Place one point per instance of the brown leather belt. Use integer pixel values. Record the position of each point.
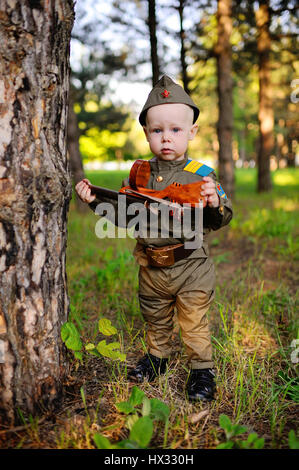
(167, 255)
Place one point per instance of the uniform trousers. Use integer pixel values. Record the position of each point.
(189, 286)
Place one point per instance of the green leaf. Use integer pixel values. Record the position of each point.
(107, 349)
(89, 347)
(106, 327)
(159, 410)
(122, 356)
(94, 352)
(293, 440)
(136, 396)
(127, 444)
(259, 443)
(110, 350)
(103, 349)
(125, 407)
(252, 437)
(243, 445)
(146, 407)
(102, 442)
(237, 429)
(131, 420)
(117, 355)
(252, 442)
(225, 422)
(71, 337)
(78, 355)
(142, 431)
(226, 445)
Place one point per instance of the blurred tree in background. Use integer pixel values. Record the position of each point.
(248, 115)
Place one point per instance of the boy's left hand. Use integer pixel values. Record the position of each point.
(209, 191)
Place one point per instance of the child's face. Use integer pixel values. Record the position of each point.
(168, 129)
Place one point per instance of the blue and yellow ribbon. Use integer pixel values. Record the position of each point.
(199, 168)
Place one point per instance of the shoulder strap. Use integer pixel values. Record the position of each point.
(196, 167)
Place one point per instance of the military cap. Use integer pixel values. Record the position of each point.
(167, 91)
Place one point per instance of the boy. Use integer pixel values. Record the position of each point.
(169, 122)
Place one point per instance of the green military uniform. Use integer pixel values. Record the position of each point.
(188, 284)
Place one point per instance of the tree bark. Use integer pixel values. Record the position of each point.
(35, 190)
(291, 156)
(225, 98)
(265, 114)
(152, 24)
(76, 165)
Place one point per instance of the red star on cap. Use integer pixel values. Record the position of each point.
(165, 94)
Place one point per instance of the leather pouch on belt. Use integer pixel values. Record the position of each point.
(139, 255)
(161, 257)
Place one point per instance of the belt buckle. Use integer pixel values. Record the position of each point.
(160, 258)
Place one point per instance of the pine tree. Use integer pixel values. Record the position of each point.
(223, 54)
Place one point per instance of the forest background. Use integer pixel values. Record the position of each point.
(70, 323)
(238, 60)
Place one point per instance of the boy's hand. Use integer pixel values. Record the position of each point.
(209, 190)
(83, 190)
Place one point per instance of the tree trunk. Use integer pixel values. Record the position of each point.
(225, 98)
(35, 190)
(265, 114)
(185, 77)
(291, 156)
(76, 165)
(152, 24)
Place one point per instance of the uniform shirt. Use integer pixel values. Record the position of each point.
(173, 171)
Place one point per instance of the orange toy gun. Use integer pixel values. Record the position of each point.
(173, 196)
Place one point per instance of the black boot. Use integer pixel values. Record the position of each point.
(201, 385)
(148, 367)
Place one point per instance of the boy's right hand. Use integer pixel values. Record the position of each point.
(83, 190)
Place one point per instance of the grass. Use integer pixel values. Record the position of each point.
(253, 323)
